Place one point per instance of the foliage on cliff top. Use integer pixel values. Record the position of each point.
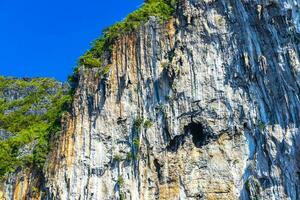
(162, 9)
(30, 110)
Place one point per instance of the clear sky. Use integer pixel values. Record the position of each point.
(44, 38)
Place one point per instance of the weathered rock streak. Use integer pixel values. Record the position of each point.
(205, 106)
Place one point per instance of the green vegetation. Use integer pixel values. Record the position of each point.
(147, 124)
(93, 58)
(34, 189)
(134, 153)
(162, 9)
(140, 121)
(120, 181)
(88, 60)
(136, 142)
(31, 118)
(117, 158)
(261, 126)
(122, 196)
(129, 156)
(253, 187)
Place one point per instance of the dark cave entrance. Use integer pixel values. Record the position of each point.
(199, 135)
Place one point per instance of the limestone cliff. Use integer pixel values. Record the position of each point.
(205, 106)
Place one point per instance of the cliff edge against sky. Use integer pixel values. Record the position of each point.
(198, 102)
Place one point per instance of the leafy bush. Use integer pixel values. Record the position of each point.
(136, 142)
(117, 158)
(139, 121)
(120, 181)
(148, 123)
(88, 60)
(261, 126)
(122, 196)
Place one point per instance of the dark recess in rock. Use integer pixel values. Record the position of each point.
(158, 169)
(200, 137)
(176, 142)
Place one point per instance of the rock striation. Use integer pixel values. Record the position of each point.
(205, 106)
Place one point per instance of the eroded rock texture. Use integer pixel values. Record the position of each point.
(25, 184)
(203, 107)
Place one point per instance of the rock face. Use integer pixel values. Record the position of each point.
(26, 184)
(205, 106)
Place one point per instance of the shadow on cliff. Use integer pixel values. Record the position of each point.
(268, 153)
(263, 68)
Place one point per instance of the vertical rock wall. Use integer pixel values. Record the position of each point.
(23, 185)
(203, 107)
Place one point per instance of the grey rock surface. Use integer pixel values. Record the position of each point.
(203, 107)
(220, 85)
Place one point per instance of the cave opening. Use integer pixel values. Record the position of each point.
(199, 135)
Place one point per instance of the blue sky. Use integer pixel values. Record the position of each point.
(44, 38)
